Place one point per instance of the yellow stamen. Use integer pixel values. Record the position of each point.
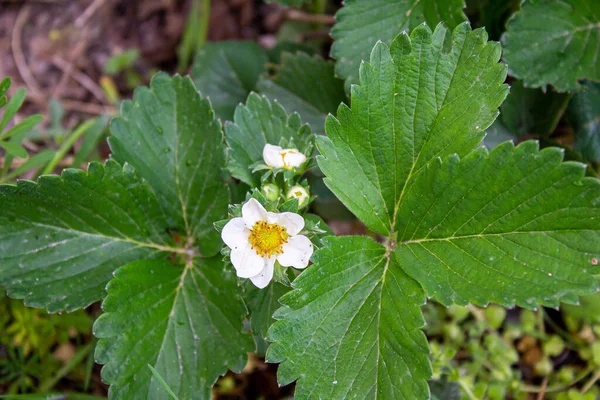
(268, 239)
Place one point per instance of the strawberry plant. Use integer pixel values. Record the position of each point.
(198, 233)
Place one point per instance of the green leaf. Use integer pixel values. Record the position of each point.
(34, 161)
(262, 304)
(351, 327)
(226, 72)
(531, 110)
(415, 103)
(12, 107)
(554, 42)
(516, 226)
(4, 86)
(289, 3)
(62, 238)
(23, 126)
(185, 321)
(14, 149)
(584, 115)
(362, 23)
(257, 123)
(305, 85)
(170, 135)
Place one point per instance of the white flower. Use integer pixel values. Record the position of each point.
(261, 237)
(300, 193)
(277, 157)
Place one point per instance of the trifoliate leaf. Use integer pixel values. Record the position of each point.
(62, 238)
(262, 304)
(257, 123)
(516, 226)
(351, 327)
(226, 72)
(362, 23)
(170, 135)
(532, 111)
(554, 42)
(584, 115)
(185, 321)
(415, 103)
(306, 85)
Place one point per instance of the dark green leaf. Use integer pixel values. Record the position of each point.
(531, 110)
(362, 23)
(4, 85)
(185, 321)
(351, 327)
(554, 42)
(306, 85)
(170, 135)
(516, 226)
(415, 103)
(257, 123)
(584, 115)
(262, 304)
(61, 239)
(226, 72)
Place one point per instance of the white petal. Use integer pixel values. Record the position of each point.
(235, 234)
(296, 252)
(252, 212)
(272, 156)
(293, 158)
(292, 222)
(262, 280)
(247, 263)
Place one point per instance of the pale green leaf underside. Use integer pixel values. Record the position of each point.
(351, 327)
(415, 103)
(584, 115)
(62, 238)
(184, 321)
(516, 226)
(554, 42)
(172, 138)
(307, 85)
(226, 72)
(362, 23)
(257, 123)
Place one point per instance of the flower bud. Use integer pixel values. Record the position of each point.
(270, 191)
(277, 157)
(300, 193)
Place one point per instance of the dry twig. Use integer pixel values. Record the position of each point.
(18, 55)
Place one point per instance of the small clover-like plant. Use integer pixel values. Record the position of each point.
(198, 235)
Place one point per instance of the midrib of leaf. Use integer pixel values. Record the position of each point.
(113, 238)
(177, 183)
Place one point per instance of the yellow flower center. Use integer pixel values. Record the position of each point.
(268, 239)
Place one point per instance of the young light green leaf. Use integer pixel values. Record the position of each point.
(257, 123)
(262, 304)
(170, 135)
(415, 103)
(306, 85)
(362, 23)
(532, 111)
(12, 107)
(351, 328)
(289, 3)
(14, 149)
(226, 72)
(23, 126)
(516, 226)
(554, 42)
(185, 321)
(584, 115)
(62, 238)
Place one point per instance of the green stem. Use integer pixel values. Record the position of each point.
(591, 382)
(205, 18)
(466, 389)
(81, 129)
